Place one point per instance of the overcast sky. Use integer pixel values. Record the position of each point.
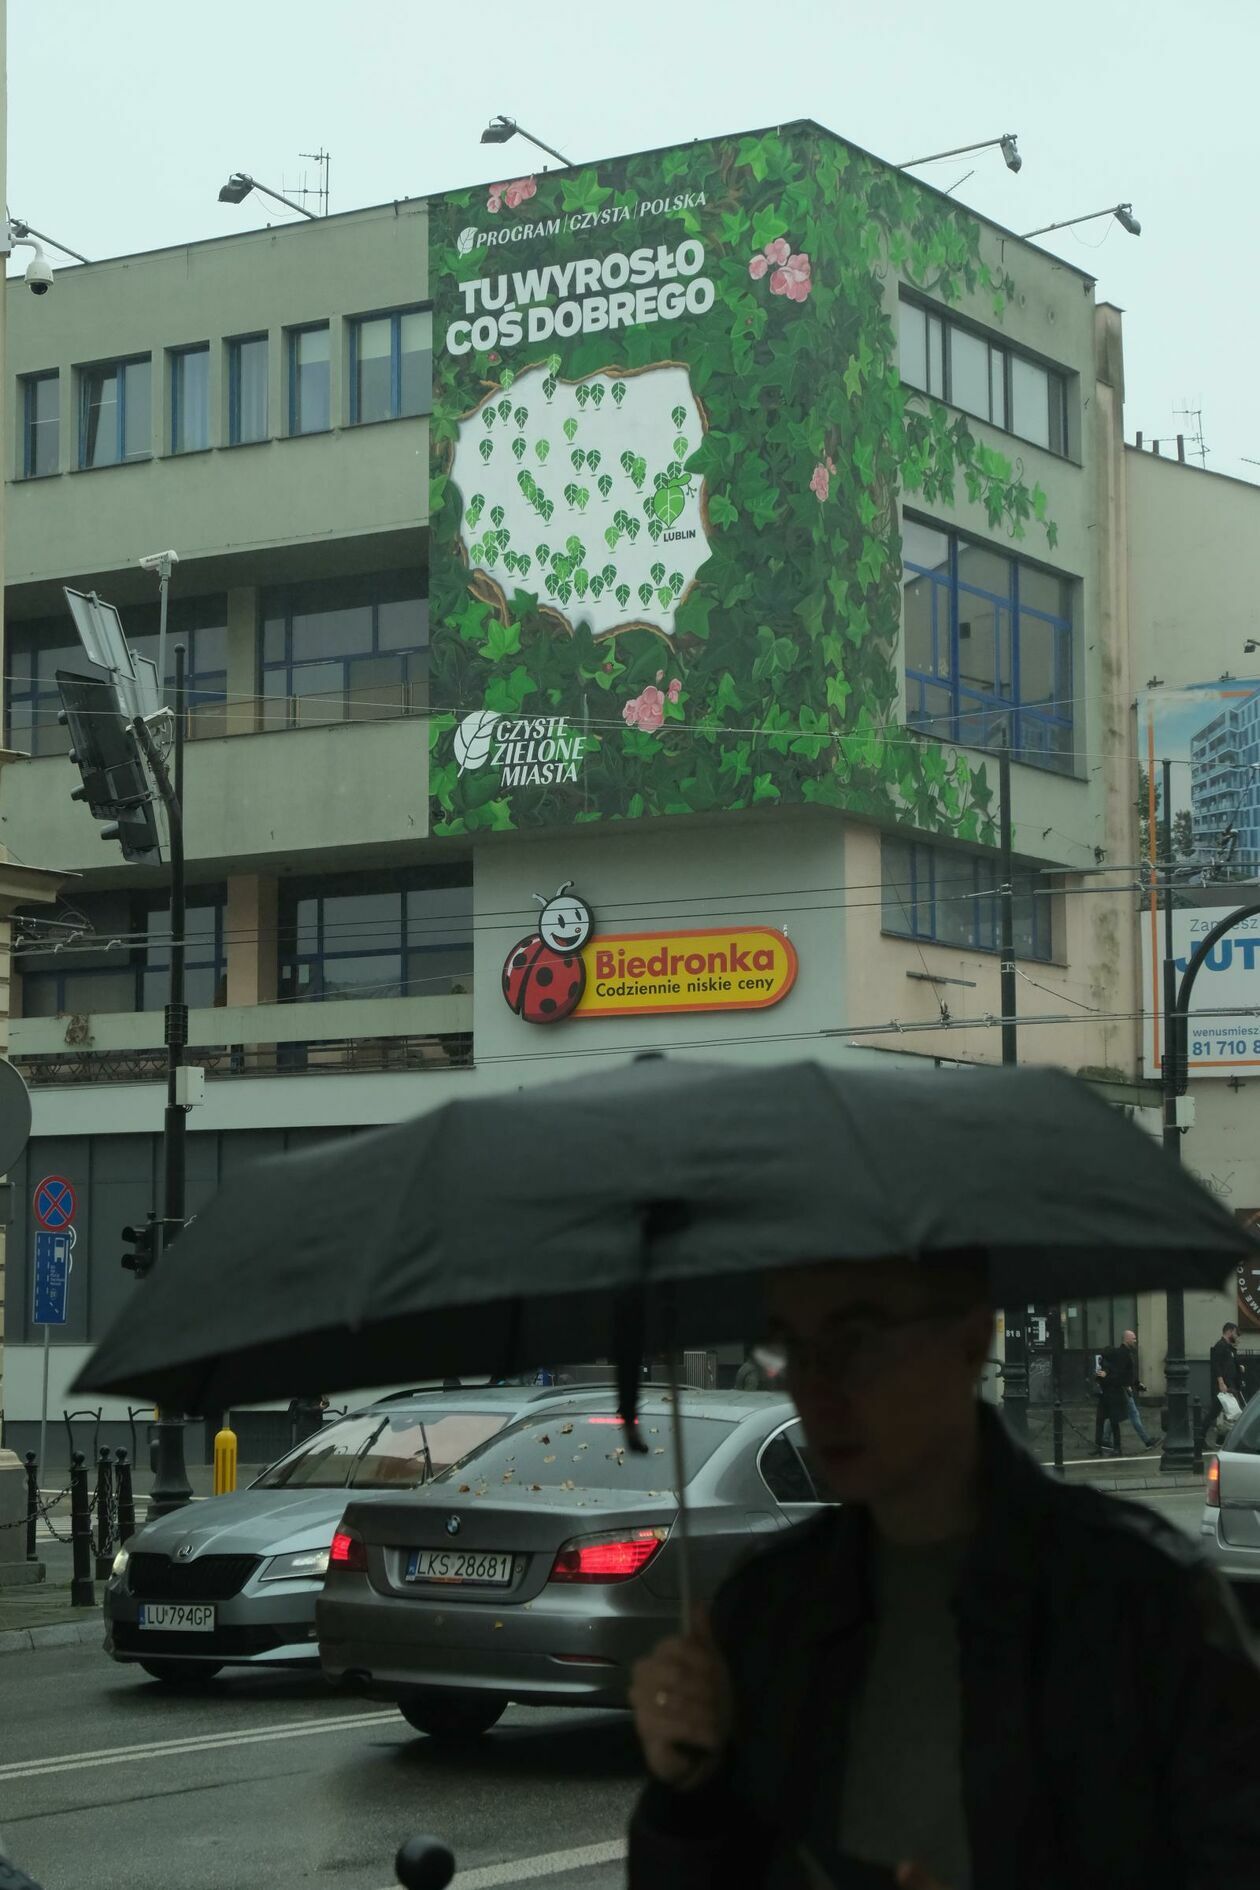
(125, 117)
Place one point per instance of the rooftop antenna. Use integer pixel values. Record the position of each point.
(1197, 444)
(319, 191)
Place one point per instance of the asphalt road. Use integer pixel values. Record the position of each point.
(110, 1782)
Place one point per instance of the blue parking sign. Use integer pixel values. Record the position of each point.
(53, 1261)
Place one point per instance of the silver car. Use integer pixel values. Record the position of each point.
(233, 1581)
(541, 1568)
(1230, 1527)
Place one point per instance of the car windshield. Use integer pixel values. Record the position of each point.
(587, 1450)
(1245, 1435)
(377, 1450)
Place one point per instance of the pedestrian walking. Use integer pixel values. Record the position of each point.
(899, 1680)
(1223, 1383)
(1132, 1386)
(1117, 1381)
(306, 1416)
(750, 1376)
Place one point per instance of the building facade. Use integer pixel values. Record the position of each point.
(879, 543)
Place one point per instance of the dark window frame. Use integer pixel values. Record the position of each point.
(134, 961)
(177, 357)
(286, 602)
(292, 956)
(394, 316)
(29, 384)
(86, 371)
(1057, 377)
(234, 346)
(920, 902)
(292, 337)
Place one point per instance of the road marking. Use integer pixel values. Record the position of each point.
(549, 1864)
(209, 1742)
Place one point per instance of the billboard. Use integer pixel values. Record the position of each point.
(667, 443)
(1211, 736)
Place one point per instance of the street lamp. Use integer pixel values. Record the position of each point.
(22, 233)
(1122, 212)
(240, 183)
(500, 129)
(1006, 144)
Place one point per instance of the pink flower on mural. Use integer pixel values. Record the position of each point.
(773, 256)
(675, 689)
(494, 201)
(645, 711)
(518, 191)
(793, 279)
(820, 482)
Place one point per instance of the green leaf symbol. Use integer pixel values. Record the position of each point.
(570, 429)
(597, 587)
(676, 580)
(506, 378)
(487, 418)
(638, 471)
(486, 448)
(581, 581)
(547, 508)
(597, 394)
(518, 448)
(673, 472)
(542, 553)
(496, 515)
(681, 446)
(619, 394)
(632, 529)
(622, 592)
(612, 538)
(527, 483)
(679, 417)
(593, 458)
(549, 386)
(583, 498)
(553, 363)
(509, 559)
(645, 593)
(521, 416)
(582, 395)
(489, 554)
(505, 410)
(669, 504)
(657, 573)
(476, 506)
(564, 591)
(542, 448)
(578, 458)
(570, 493)
(660, 479)
(665, 597)
(551, 583)
(574, 546)
(609, 573)
(523, 562)
(655, 528)
(605, 484)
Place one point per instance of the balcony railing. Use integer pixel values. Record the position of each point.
(352, 1035)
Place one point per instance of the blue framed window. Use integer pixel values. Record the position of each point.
(988, 641)
(948, 896)
(120, 960)
(983, 375)
(247, 389)
(349, 650)
(310, 395)
(41, 424)
(190, 399)
(391, 365)
(377, 935)
(115, 412)
(38, 648)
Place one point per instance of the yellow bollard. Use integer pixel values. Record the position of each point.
(225, 1462)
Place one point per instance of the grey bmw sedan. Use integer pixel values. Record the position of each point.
(233, 1581)
(542, 1567)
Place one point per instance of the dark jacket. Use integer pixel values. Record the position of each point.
(1120, 1365)
(1223, 1363)
(1111, 1708)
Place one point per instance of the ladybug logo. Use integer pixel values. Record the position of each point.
(543, 975)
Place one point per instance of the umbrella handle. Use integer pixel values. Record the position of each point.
(680, 1492)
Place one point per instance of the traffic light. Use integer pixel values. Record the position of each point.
(143, 1244)
(113, 780)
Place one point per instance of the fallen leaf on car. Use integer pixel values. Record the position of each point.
(565, 1429)
(549, 1459)
(544, 1439)
(498, 1624)
(659, 1450)
(568, 1484)
(464, 1488)
(535, 1486)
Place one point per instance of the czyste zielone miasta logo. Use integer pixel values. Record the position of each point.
(544, 975)
(525, 750)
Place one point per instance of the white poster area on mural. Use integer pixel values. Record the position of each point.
(1224, 1034)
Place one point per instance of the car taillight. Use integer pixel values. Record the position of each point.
(349, 1552)
(1214, 1483)
(614, 1557)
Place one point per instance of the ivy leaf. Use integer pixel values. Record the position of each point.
(721, 511)
(504, 639)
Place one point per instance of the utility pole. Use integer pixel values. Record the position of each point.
(1178, 1449)
(1014, 1318)
(171, 1488)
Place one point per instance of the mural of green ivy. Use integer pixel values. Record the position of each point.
(778, 681)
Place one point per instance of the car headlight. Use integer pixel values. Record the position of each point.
(119, 1569)
(302, 1565)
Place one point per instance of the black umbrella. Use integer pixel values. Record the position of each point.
(498, 1232)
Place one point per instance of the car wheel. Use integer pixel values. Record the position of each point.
(452, 1715)
(181, 1673)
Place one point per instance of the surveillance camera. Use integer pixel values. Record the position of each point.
(156, 559)
(39, 274)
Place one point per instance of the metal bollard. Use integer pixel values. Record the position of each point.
(225, 1462)
(1057, 1422)
(82, 1587)
(32, 1503)
(104, 1515)
(1196, 1433)
(126, 1500)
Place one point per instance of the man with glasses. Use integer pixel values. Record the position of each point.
(891, 1692)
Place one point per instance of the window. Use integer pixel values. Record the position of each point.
(782, 1469)
(391, 365)
(118, 960)
(114, 413)
(528, 1451)
(948, 896)
(37, 649)
(988, 647)
(983, 376)
(190, 399)
(348, 651)
(408, 934)
(310, 406)
(41, 425)
(247, 389)
(396, 1450)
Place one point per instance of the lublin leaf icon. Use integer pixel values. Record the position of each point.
(570, 429)
(645, 593)
(597, 393)
(542, 448)
(612, 537)
(681, 446)
(605, 484)
(619, 394)
(577, 458)
(658, 570)
(665, 597)
(669, 504)
(679, 417)
(593, 458)
(549, 386)
(505, 410)
(496, 515)
(622, 592)
(521, 416)
(582, 395)
(518, 448)
(486, 448)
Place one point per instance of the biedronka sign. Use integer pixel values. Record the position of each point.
(563, 970)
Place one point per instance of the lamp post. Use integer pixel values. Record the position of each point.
(22, 231)
(500, 129)
(1122, 212)
(240, 183)
(1014, 1318)
(1005, 143)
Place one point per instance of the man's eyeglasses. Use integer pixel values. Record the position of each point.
(855, 1349)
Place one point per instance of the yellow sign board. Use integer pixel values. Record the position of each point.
(722, 968)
